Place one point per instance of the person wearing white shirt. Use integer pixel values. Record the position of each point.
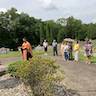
(45, 45)
(66, 52)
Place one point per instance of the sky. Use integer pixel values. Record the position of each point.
(54, 9)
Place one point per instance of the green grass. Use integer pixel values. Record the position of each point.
(18, 54)
(83, 58)
(94, 59)
(38, 52)
(10, 54)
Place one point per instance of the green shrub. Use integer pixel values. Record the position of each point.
(12, 68)
(39, 73)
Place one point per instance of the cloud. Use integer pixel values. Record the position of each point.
(46, 2)
(3, 9)
(48, 5)
(51, 7)
(54, 9)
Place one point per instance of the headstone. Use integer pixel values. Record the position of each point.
(39, 47)
(4, 50)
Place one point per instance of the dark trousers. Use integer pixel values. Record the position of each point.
(45, 49)
(55, 52)
(66, 55)
(29, 55)
(70, 56)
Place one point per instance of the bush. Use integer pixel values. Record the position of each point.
(39, 73)
(12, 68)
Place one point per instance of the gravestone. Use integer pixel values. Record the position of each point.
(4, 50)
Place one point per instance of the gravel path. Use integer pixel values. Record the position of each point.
(80, 77)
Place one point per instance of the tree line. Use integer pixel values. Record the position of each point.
(14, 26)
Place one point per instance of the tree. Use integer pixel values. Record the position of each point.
(61, 34)
(73, 27)
(15, 26)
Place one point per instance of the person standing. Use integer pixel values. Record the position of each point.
(66, 52)
(88, 51)
(76, 51)
(62, 49)
(70, 51)
(26, 50)
(54, 44)
(45, 45)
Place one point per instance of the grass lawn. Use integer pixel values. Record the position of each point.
(18, 54)
(10, 54)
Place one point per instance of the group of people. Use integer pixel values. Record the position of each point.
(26, 49)
(69, 50)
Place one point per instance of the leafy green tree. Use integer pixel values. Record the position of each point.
(15, 26)
(73, 27)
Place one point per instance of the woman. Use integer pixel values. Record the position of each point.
(76, 51)
(88, 51)
(26, 50)
(62, 49)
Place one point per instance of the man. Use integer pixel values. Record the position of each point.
(54, 44)
(45, 45)
(26, 50)
(70, 51)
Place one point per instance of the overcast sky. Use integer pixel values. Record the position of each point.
(54, 9)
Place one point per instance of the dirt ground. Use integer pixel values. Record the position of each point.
(79, 76)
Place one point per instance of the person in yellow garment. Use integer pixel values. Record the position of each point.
(76, 51)
(26, 50)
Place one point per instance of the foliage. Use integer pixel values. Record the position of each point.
(15, 26)
(39, 73)
(12, 68)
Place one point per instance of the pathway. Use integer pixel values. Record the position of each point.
(80, 77)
